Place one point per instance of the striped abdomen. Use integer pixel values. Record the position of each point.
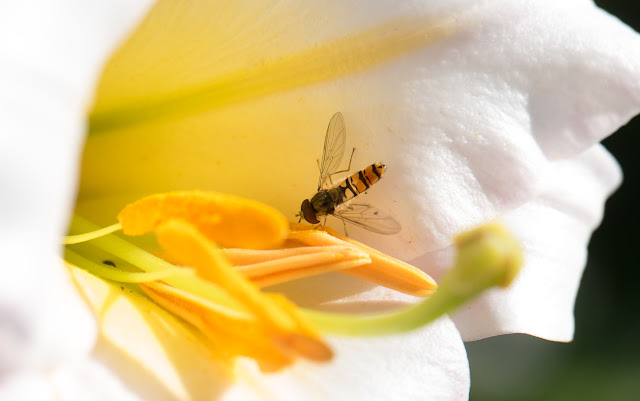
(361, 181)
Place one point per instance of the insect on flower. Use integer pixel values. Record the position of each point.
(336, 199)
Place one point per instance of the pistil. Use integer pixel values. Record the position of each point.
(487, 257)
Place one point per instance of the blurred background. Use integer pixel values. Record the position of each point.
(603, 361)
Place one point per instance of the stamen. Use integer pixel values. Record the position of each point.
(121, 276)
(76, 239)
(238, 337)
(180, 297)
(149, 263)
(306, 271)
(237, 329)
(288, 264)
(187, 245)
(309, 345)
(245, 257)
(383, 269)
(228, 220)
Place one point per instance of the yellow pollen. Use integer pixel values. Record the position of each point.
(228, 220)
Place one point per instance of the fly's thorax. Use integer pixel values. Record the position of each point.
(362, 180)
(325, 201)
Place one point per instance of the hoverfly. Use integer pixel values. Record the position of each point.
(335, 199)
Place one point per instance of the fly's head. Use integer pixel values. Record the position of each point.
(306, 211)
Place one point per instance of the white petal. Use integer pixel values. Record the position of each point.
(89, 380)
(554, 230)
(494, 105)
(80, 381)
(50, 55)
(427, 364)
(466, 102)
(29, 386)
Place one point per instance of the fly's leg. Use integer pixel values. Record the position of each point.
(344, 223)
(342, 171)
(321, 225)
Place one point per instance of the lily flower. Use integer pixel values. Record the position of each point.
(482, 111)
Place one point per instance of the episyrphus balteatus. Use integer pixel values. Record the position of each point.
(336, 199)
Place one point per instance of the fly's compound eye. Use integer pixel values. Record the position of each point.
(308, 213)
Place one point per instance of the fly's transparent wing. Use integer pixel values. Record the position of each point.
(334, 143)
(369, 217)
